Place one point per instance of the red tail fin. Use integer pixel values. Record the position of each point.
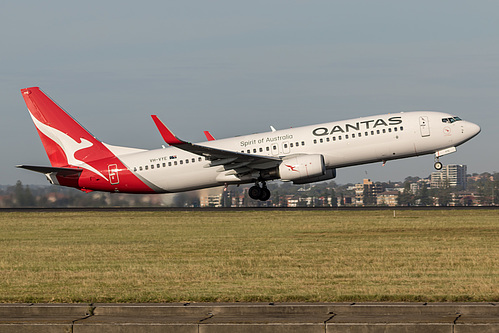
(66, 142)
(69, 147)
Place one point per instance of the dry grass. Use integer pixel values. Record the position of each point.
(250, 256)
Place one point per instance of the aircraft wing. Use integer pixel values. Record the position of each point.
(229, 159)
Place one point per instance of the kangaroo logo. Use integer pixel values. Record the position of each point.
(67, 144)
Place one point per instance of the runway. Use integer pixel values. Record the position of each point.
(251, 317)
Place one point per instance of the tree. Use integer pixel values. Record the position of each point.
(406, 198)
(334, 199)
(444, 194)
(23, 196)
(424, 196)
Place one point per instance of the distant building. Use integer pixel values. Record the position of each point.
(213, 200)
(387, 198)
(366, 193)
(453, 175)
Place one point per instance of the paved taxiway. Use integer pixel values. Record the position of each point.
(251, 317)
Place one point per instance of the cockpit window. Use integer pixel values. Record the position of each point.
(451, 120)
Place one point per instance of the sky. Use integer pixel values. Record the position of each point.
(238, 67)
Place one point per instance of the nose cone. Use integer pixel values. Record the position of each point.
(472, 129)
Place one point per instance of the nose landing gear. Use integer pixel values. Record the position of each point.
(259, 193)
(438, 165)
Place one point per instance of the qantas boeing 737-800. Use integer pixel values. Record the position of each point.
(301, 155)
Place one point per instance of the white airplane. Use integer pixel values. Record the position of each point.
(301, 155)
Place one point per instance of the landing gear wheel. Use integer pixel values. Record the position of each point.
(259, 193)
(438, 165)
(265, 195)
(255, 192)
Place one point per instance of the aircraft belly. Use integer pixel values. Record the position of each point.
(368, 153)
(184, 179)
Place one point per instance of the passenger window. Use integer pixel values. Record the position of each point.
(193, 160)
(140, 168)
(315, 141)
(152, 166)
(261, 149)
(146, 167)
(169, 163)
(175, 163)
(353, 136)
(291, 145)
(186, 161)
(134, 168)
(181, 162)
(303, 143)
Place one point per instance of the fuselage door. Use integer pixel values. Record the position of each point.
(113, 174)
(275, 149)
(285, 147)
(424, 125)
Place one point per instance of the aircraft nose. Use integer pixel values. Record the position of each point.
(473, 129)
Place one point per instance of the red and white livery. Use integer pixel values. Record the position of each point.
(301, 154)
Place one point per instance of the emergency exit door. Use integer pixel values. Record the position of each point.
(113, 174)
(424, 125)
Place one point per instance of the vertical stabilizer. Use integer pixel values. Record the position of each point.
(78, 159)
(66, 142)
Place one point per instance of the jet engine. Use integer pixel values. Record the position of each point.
(304, 169)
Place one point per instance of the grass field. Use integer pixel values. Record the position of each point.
(310, 256)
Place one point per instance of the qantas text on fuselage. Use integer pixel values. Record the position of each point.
(301, 154)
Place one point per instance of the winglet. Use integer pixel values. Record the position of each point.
(167, 135)
(209, 136)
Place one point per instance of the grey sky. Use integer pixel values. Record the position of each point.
(235, 67)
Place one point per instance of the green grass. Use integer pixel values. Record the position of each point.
(309, 256)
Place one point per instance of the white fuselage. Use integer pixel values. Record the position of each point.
(343, 143)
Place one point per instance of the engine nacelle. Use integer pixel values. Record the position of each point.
(301, 167)
(330, 174)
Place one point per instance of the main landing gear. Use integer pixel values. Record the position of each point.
(259, 193)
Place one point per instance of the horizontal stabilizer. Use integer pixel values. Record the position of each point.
(64, 172)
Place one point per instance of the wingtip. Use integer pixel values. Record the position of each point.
(167, 135)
